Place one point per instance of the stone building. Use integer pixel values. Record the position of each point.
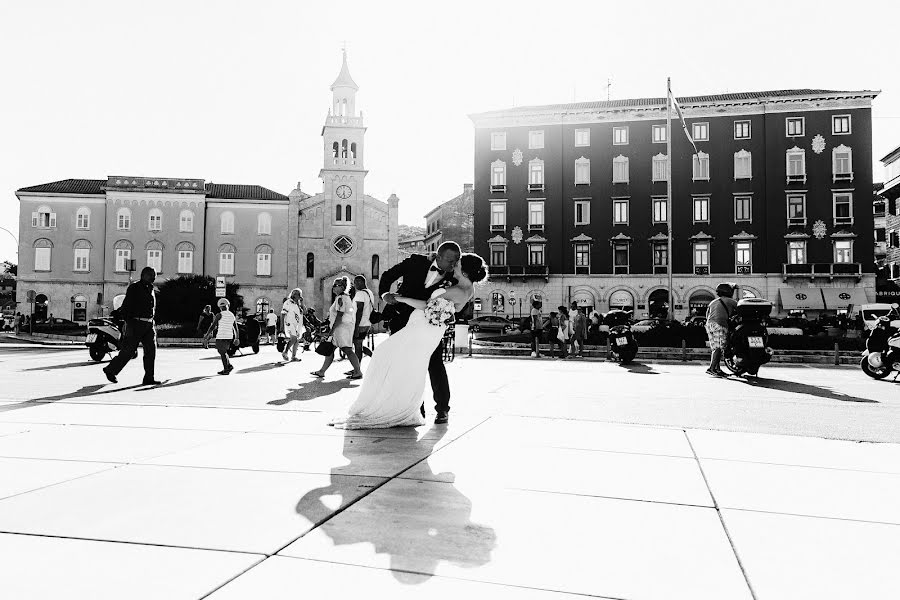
(888, 197)
(411, 245)
(453, 220)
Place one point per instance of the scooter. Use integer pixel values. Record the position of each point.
(248, 335)
(747, 347)
(623, 346)
(882, 353)
(105, 333)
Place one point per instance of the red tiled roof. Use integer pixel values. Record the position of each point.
(227, 191)
(68, 186)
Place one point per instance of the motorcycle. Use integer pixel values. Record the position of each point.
(623, 346)
(747, 347)
(105, 334)
(248, 335)
(882, 353)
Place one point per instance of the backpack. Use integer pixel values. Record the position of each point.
(375, 316)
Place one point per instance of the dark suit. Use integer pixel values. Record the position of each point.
(414, 271)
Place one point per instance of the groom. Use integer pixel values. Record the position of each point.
(421, 276)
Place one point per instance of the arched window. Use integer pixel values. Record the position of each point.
(376, 266)
(42, 249)
(344, 108)
(185, 257)
(348, 213)
(83, 218)
(335, 150)
(310, 265)
(82, 255)
(227, 222)
(186, 221)
(343, 148)
(264, 224)
(226, 259)
(43, 217)
(262, 307)
(123, 219)
(338, 212)
(154, 255)
(123, 250)
(155, 222)
(264, 260)
(353, 150)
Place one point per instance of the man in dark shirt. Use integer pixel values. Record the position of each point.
(137, 310)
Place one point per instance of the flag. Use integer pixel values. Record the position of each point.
(683, 122)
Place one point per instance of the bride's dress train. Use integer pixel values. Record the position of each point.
(391, 393)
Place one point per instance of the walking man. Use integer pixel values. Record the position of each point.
(137, 310)
(579, 330)
(365, 304)
(271, 326)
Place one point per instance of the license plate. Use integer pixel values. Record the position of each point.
(755, 342)
(91, 338)
(621, 341)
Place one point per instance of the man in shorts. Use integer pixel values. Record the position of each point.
(271, 325)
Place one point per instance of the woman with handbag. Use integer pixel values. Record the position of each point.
(225, 326)
(342, 316)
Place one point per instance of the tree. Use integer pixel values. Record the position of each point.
(9, 268)
(181, 299)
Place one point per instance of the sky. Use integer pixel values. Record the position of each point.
(237, 92)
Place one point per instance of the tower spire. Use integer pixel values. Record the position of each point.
(344, 79)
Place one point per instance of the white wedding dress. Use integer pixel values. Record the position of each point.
(391, 393)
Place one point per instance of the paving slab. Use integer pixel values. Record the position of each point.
(576, 544)
(588, 472)
(281, 578)
(11, 428)
(105, 444)
(19, 475)
(804, 558)
(794, 450)
(42, 568)
(244, 511)
(834, 493)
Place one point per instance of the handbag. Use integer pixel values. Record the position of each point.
(326, 348)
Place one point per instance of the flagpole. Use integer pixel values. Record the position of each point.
(669, 266)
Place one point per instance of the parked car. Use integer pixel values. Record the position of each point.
(58, 325)
(645, 325)
(492, 323)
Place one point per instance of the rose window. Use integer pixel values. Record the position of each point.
(342, 244)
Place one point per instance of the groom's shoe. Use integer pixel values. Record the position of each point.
(422, 410)
(442, 417)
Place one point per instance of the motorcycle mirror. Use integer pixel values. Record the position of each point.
(895, 306)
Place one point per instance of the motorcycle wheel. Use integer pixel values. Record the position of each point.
(873, 372)
(729, 364)
(97, 354)
(255, 348)
(626, 357)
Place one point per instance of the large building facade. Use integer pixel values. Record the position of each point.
(570, 202)
(454, 220)
(77, 237)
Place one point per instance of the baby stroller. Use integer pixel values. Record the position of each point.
(316, 330)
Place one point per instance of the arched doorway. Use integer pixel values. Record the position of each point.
(262, 307)
(621, 300)
(658, 304)
(79, 309)
(698, 302)
(585, 301)
(41, 306)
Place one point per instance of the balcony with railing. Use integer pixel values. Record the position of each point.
(828, 271)
(337, 120)
(523, 272)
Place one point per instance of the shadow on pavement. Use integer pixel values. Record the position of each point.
(64, 366)
(313, 390)
(85, 392)
(418, 531)
(639, 368)
(804, 388)
(260, 368)
(177, 382)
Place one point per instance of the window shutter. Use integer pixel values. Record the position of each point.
(34, 219)
(53, 219)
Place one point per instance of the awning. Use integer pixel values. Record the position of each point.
(842, 298)
(801, 298)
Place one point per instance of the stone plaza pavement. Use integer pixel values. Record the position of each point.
(553, 479)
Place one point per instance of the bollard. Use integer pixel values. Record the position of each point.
(837, 354)
(683, 351)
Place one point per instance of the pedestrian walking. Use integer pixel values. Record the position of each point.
(537, 328)
(342, 318)
(205, 320)
(565, 328)
(365, 304)
(717, 314)
(224, 327)
(271, 326)
(553, 336)
(579, 330)
(292, 315)
(137, 310)
(20, 322)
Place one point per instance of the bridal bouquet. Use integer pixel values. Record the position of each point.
(438, 311)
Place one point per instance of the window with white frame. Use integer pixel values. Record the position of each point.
(842, 163)
(123, 219)
(743, 257)
(840, 124)
(227, 222)
(797, 252)
(536, 174)
(700, 132)
(83, 218)
(795, 126)
(42, 257)
(796, 209)
(742, 130)
(743, 208)
(660, 257)
(226, 263)
(536, 255)
(701, 166)
(796, 164)
(843, 251)
(701, 258)
(701, 209)
(620, 136)
(264, 224)
(154, 260)
(620, 211)
(659, 133)
(620, 258)
(583, 137)
(498, 216)
(185, 261)
(186, 221)
(536, 139)
(82, 259)
(536, 214)
(660, 210)
(620, 169)
(660, 167)
(123, 255)
(498, 176)
(43, 217)
(843, 208)
(582, 256)
(582, 171)
(498, 140)
(743, 165)
(582, 212)
(264, 262)
(498, 255)
(155, 223)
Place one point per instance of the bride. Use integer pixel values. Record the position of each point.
(391, 393)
